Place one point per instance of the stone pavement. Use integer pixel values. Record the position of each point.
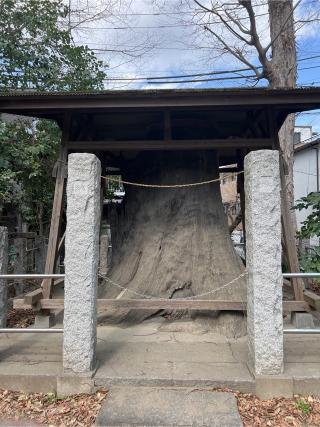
(132, 406)
(158, 353)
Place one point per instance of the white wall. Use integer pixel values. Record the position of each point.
(305, 177)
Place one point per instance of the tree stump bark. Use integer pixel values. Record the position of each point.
(172, 243)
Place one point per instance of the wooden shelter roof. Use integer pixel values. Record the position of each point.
(55, 104)
(172, 119)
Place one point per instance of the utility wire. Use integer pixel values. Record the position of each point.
(197, 74)
(186, 12)
(189, 24)
(182, 75)
(155, 79)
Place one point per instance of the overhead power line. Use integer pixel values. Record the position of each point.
(147, 27)
(183, 75)
(78, 24)
(250, 76)
(155, 79)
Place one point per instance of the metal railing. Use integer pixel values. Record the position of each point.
(32, 276)
(61, 276)
(31, 330)
(303, 275)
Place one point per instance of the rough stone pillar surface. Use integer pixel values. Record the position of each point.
(3, 270)
(263, 248)
(81, 262)
(104, 248)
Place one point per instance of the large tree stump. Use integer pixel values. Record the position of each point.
(172, 243)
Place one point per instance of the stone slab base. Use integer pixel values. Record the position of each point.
(44, 321)
(244, 386)
(68, 385)
(268, 387)
(29, 383)
(128, 406)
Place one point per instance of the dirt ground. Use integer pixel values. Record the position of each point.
(36, 409)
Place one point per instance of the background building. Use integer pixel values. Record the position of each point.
(306, 169)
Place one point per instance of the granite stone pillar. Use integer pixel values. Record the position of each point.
(3, 270)
(263, 258)
(81, 263)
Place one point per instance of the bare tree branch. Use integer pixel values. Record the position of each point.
(236, 53)
(215, 12)
(247, 4)
(237, 23)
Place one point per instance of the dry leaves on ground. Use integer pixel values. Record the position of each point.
(20, 318)
(81, 410)
(46, 409)
(279, 412)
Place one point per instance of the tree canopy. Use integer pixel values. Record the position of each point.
(37, 52)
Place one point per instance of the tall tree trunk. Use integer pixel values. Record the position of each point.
(173, 243)
(284, 75)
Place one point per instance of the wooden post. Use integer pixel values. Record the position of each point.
(288, 230)
(57, 209)
(289, 238)
(240, 190)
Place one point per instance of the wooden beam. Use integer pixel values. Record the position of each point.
(167, 126)
(240, 190)
(33, 297)
(289, 239)
(61, 243)
(57, 209)
(312, 299)
(170, 144)
(162, 304)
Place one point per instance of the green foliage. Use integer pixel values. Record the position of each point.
(37, 49)
(50, 398)
(310, 228)
(27, 152)
(303, 406)
(311, 261)
(37, 52)
(113, 184)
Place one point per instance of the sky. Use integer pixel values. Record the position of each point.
(150, 38)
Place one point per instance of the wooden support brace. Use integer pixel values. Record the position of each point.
(288, 230)
(33, 297)
(289, 239)
(161, 304)
(57, 210)
(312, 299)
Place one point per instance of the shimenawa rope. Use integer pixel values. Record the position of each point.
(193, 184)
(180, 299)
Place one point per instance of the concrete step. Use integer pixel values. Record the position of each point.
(166, 407)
